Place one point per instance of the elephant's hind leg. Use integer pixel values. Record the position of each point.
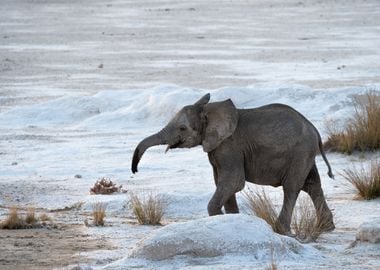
(292, 182)
(313, 188)
(285, 217)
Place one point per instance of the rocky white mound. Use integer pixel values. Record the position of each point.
(221, 235)
(369, 232)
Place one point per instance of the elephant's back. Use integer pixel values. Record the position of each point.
(278, 125)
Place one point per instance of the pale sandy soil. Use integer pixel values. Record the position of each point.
(47, 248)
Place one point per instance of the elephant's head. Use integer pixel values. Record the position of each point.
(203, 123)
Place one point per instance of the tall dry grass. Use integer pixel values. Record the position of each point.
(99, 213)
(305, 224)
(271, 266)
(362, 131)
(260, 205)
(29, 220)
(273, 263)
(148, 208)
(31, 216)
(365, 181)
(13, 220)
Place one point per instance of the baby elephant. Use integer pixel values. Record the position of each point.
(270, 145)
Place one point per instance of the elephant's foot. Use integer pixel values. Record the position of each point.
(289, 233)
(213, 211)
(231, 210)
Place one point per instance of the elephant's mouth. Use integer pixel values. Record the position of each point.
(175, 145)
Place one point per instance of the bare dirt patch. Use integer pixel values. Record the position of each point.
(47, 248)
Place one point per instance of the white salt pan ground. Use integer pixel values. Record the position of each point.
(95, 135)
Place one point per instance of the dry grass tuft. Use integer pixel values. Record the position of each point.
(261, 206)
(29, 220)
(366, 181)
(44, 217)
(304, 223)
(99, 213)
(148, 209)
(31, 216)
(13, 220)
(306, 226)
(271, 266)
(362, 132)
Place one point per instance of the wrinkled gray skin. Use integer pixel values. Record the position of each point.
(270, 145)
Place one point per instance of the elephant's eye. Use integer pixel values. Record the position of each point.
(182, 128)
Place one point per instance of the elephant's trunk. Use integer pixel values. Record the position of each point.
(155, 139)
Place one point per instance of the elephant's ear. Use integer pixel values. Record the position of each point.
(222, 118)
(203, 101)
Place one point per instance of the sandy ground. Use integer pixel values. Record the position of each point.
(47, 248)
(48, 48)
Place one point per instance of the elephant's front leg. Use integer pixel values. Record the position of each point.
(222, 197)
(227, 184)
(230, 206)
(217, 201)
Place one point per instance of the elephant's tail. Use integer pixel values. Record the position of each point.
(329, 173)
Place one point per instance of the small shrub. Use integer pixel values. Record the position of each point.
(366, 181)
(44, 217)
(13, 220)
(149, 209)
(362, 131)
(99, 213)
(306, 226)
(261, 206)
(31, 216)
(105, 186)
